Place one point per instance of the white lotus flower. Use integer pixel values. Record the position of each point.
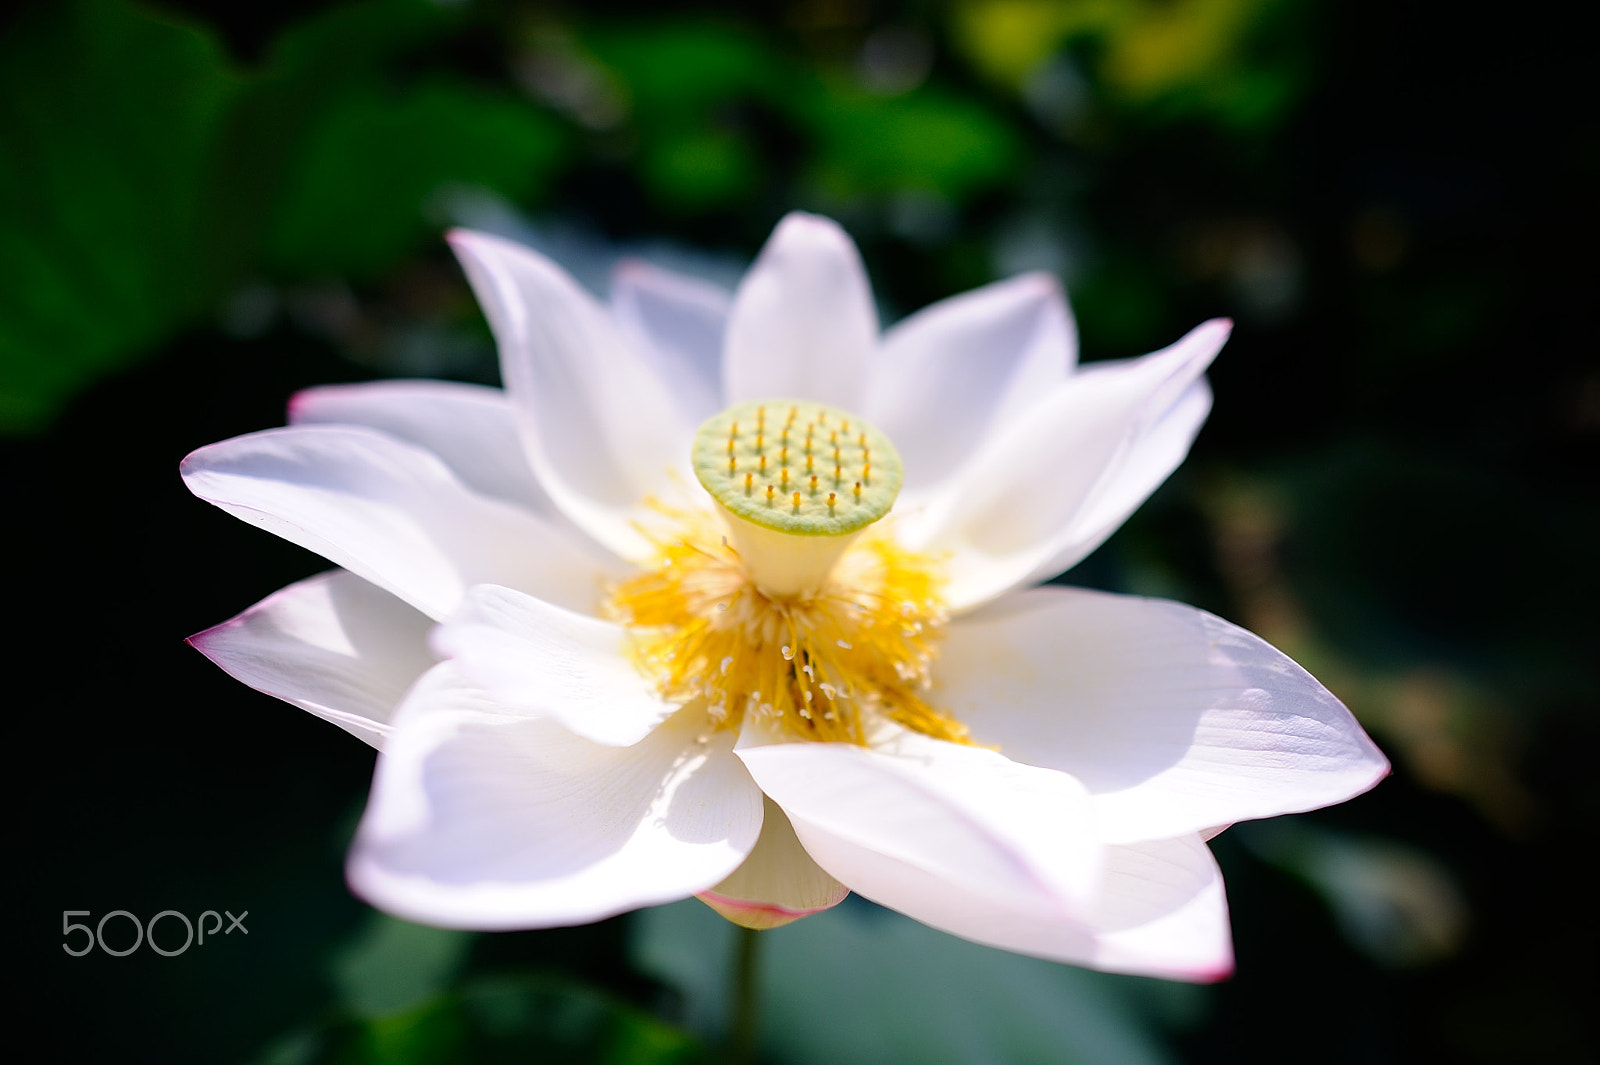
(587, 700)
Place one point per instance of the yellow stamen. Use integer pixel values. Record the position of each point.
(831, 667)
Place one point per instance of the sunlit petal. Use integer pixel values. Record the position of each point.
(1175, 720)
(598, 425)
(394, 514)
(333, 644)
(778, 883)
(676, 323)
(962, 369)
(480, 818)
(560, 665)
(1016, 505)
(892, 821)
(802, 325)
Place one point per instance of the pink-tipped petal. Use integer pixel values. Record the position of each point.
(1161, 912)
(333, 644)
(471, 427)
(1175, 720)
(778, 883)
(394, 514)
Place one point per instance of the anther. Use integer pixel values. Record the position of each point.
(733, 463)
(858, 491)
(769, 492)
(749, 482)
(830, 500)
(866, 472)
(763, 464)
(760, 443)
(783, 455)
(797, 501)
(813, 482)
(783, 477)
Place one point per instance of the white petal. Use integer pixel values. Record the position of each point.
(949, 374)
(802, 325)
(480, 818)
(1160, 911)
(564, 666)
(1175, 720)
(333, 644)
(677, 323)
(471, 427)
(394, 514)
(907, 817)
(778, 882)
(1132, 477)
(598, 425)
(1163, 912)
(1015, 507)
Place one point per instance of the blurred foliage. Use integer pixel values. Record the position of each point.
(205, 205)
(893, 990)
(108, 119)
(511, 1019)
(1240, 62)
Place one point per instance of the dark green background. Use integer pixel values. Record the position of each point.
(206, 206)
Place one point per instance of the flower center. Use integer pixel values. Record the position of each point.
(784, 610)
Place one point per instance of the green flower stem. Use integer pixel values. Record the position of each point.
(744, 1028)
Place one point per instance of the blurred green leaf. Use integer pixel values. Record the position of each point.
(685, 84)
(677, 71)
(358, 199)
(108, 115)
(925, 141)
(549, 1019)
(894, 991)
(393, 965)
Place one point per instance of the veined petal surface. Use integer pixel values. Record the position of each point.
(471, 427)
(910, 814)
(1014, 507)
(677, 323)
(333, 644)
(564, 666)
(950, 374)
(394, 514)
(803, 325)
(489, 819)
(1159, 911)
(600, 428)
(1173, 719)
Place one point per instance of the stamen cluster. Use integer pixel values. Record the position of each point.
(831, 666)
